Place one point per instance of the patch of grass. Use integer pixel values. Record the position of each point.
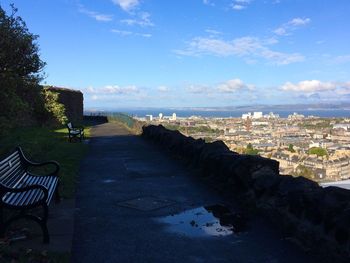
(42, 144)
(10, 255)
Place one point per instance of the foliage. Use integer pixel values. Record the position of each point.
(319, 125)
(291, 148)
(318, 151)
(301, 170)
(42, 144)
(20, 69)
(250, 150)
(53, 106)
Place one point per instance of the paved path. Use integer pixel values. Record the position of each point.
(121, 167)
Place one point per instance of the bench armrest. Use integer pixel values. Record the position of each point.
(54, 173)
(26, 189)
(30, 163)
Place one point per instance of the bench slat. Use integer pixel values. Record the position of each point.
(25, 195)
(4, 166)
(50, 182)
(12, 176)
(9, 157)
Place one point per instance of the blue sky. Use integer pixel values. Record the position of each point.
(163, 53)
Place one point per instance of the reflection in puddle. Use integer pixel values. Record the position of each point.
(214, 220)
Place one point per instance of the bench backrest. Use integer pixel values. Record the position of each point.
(70, 125)
(11, 169)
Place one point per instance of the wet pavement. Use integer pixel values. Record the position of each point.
(137, 204)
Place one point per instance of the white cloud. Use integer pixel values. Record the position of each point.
(249, 48)
(299, 21)
(233, 85)
(127, 5)
(213, 32)
(97, 16)
(198, 89)
(122, 32)
(341, 59)
(344, 88)
(113, 90)
(142, 20)
(163, 89)
(130, 33)
(318, 90)
(238, 7)
(240, 4)
(309, 86)
(208, 2)
(229, 86)
(291, 25)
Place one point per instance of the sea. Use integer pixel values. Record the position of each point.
(336, 113)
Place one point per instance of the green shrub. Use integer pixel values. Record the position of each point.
(55, 108)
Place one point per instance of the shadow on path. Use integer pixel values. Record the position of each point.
(129, 196)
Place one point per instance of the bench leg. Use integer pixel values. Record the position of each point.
(43, 225)
(40, 221)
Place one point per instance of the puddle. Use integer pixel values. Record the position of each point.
(108, 181)
(216, 220)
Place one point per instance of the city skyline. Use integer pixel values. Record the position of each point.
(200, 53)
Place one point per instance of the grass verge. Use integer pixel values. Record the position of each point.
(42, 144)
(29, 255)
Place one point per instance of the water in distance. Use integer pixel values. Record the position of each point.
(336, 113)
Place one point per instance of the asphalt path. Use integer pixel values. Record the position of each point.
(136, 203)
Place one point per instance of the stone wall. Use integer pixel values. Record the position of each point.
(319, 218)
(73, 102)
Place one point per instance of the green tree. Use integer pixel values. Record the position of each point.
(301, 170)
(318, 151)
(291, 148)
(250, 150)
(20, 69)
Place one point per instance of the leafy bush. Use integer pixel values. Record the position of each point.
(52, 106)
(318, 151)
(250, 150)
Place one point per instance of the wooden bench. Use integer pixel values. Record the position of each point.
(75, 132)
(21, 191)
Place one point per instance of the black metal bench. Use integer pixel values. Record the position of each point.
(22, 191)
(75, 132)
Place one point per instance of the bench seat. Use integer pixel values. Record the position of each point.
(21, 190)
(31, 196)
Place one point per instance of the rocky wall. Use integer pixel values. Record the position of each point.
(73, 101)
(319, 218)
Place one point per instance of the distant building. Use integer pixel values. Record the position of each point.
(246, 115)
(160, 116)
(257, 115)
(296, 116)
(149, 117)
(271, 115)
(345, 126)
(173, 117)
